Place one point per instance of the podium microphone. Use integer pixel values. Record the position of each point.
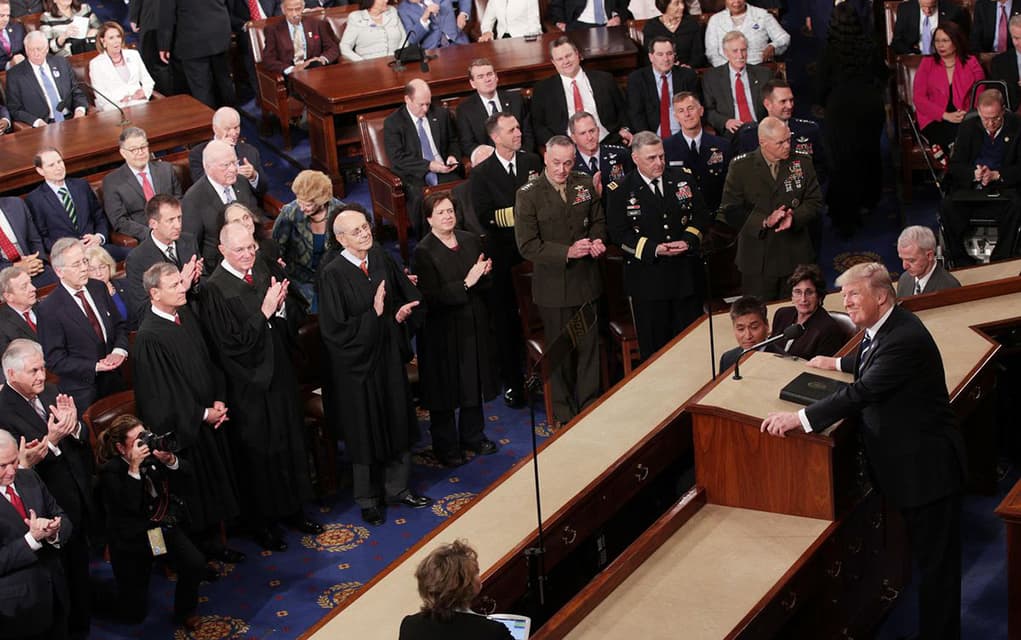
(124, 119)
(792, 332)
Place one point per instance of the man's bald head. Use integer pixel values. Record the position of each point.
(774, 139)
(417, 97)
(220, 162)
(227, 125)
(352, 230)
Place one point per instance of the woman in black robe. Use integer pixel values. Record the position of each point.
(453, 345)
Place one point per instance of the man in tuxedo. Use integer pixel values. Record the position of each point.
(657, 216)
(583, 14)
(241, 12)
(750, 320)
(694, 148)
(165, 243)
(721, 84)
(25, 7)
(65, 207)
(17, 315)
(48, 421)
(476, 109)
(916, 247)
(299, 41)
(772, 196)
(423, 146)
(494, 184)
(914, 451)
(227, 128)
(32, 526)
(1004, 66)
(916, 23)
(130, 186)
(986, 161)
(144, 19)
(85, 338)
(650, 90)
(20, 244)
(197, 34)
(572, 90)
(609, 161)
(205, 200)
(989, 25)
(41, 88)
(12, 38)
(436, 23)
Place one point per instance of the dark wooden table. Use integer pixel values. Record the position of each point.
(90, 142)
(352, 87)
(1010, 512)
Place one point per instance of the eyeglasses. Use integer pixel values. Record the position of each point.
(139, 149)
(77, 264)
(359, 230)
(804, 293)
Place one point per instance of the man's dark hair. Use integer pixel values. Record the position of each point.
(746, 305)
(37, 160)
(154, 207)
(652, 43)
(772, 85)
(493, 121)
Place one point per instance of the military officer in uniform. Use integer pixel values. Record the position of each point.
(610, 161)
(771, 196)
(560, 228)
(706, 155)
(657, 216)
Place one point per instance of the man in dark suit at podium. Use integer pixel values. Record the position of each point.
(915, 454)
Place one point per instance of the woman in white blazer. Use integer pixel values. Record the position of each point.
(118, 73)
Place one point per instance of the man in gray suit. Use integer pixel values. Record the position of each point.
(916, 247)
(130, 186)
(721, 84)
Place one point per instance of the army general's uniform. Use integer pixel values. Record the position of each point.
(765, 257)
(546, 224)
(664, 290)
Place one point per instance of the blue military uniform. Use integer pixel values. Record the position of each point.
(614, 162)
(709, 165)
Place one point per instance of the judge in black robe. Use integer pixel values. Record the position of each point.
(179, 389)
(252, 345)
(453, 345)
(367, 352)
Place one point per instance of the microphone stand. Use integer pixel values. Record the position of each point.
(790, 333)
(124, 119)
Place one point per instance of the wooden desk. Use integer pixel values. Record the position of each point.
(1010, 512)
(90, 142)
(352, 87)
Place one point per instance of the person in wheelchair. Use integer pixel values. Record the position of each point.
(983, 176)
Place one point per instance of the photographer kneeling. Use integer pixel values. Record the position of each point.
(145, 518)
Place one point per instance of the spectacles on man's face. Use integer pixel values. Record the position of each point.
(142, 148)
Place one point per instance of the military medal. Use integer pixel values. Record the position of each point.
(581, 194)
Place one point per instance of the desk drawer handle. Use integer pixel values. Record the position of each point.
(569, 535)
(834, 571)
(790, 602)
(486, 605)
(643, 472)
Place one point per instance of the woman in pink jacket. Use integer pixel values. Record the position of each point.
(943, 85)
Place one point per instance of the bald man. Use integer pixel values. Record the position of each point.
(227, 128)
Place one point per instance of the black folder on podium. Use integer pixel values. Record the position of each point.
(809, 387)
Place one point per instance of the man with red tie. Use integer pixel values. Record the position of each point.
(20, 243)
(733, 91)
(990, 29)
(17, 315)
(127, 188)
(651, 89)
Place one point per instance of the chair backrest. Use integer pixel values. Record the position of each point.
(257, 34)
(528, 312)
(370, 128)
(907, 67)
(101, 414)
(890, 10)
(337, 17)
(636, 33)
(31, 21)
(846, 324)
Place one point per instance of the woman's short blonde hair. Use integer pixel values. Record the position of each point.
(447, 579)
(101, 254)
(313, 186)
(103, 28)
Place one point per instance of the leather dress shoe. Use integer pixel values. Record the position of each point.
(453, 459)
(373, 516)
(230, 556)
(514, 398)
(270, 540)
(484, 448)
(305, 525)
(412, 500)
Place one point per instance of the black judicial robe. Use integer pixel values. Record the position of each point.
(454, 344)
(367, 355)
(175, 381)
(265, 426)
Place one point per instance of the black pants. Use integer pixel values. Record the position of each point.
(935, 534)
(161, 73)
(132, 569)
(657, 322)
(574, 383)
(366, 488)
(764, 287)
(207, 76)
(74, 557)
(448, 439)
(503, 306)
(957, 220)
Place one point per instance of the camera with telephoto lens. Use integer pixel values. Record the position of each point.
(165, 442)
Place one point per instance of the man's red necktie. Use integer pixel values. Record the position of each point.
(253, 9)
(28, 319)
(90, 314)
(664, 109)
(7, 247)
(1001, 30)
(16, 502)
(578, 104)
(744, 114)
(146, 186)
(365, 267)
(249, 279)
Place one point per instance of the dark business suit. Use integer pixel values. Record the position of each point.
(72, 347)
(471, 119)
(146, 14)
(197, 33)
(939, 280)
(907, 28)
(24, 7)
(26, 100)
(709, 165)
(16, 37)
(719, 101)
(644, 87)
(53, 222)
(823, 336)
(139, 260)
(567, 11)
(203, 216)
(985, 17)
(239, 15)
(915, 453)
(463, 626)
(33, 590)
(278, 53)
(614, 162)
(243, 150)
(550, 108)
(124, 200)
(400, 135)
(13, 326)
(1004, 67)
(26, 237)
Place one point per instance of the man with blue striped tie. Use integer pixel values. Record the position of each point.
(42, 89)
